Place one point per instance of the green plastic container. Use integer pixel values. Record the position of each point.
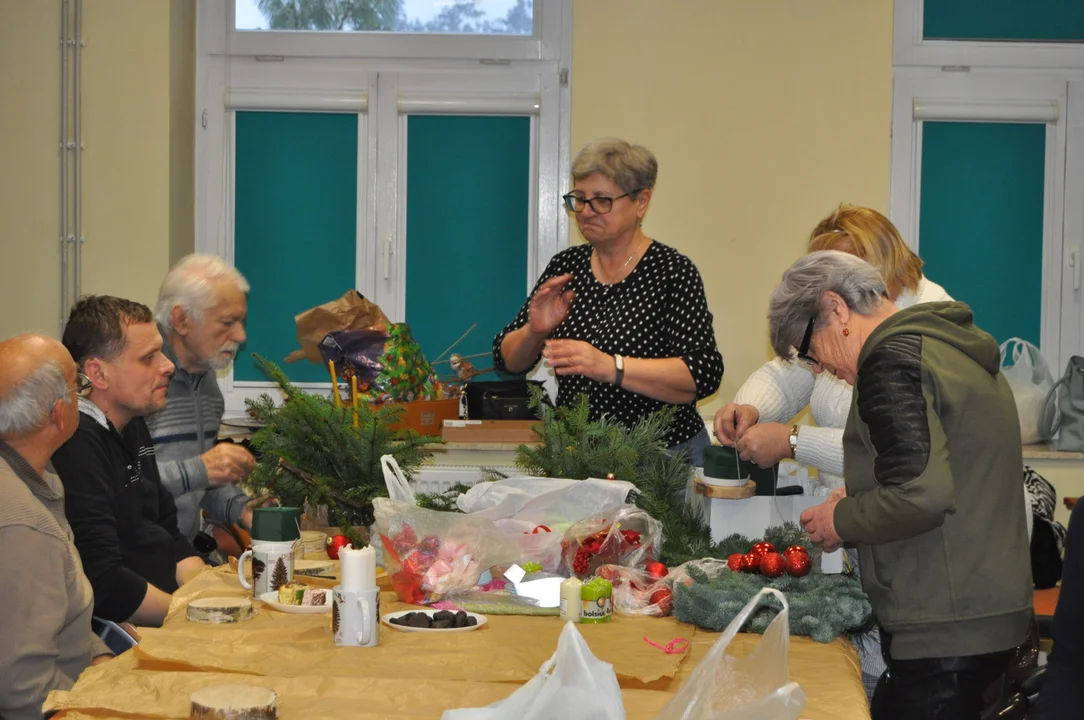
(276, 524)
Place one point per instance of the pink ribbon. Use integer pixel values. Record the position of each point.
(674, 647)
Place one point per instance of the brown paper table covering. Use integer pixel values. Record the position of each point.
(412, 675)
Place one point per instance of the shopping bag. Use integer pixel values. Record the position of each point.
(1030, 381)
(572, 685)
(756, 686)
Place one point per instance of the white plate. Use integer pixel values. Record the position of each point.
(481, 621)
(272, 598)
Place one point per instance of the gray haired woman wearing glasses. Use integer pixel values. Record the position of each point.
(933, 498)
(622, 319)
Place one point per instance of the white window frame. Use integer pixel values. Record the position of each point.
(545, 42)
(381, 90)
(910, 48)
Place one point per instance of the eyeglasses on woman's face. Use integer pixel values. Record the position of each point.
(803, 350)
(600, 204)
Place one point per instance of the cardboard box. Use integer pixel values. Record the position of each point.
(427, 416)
(492, 431)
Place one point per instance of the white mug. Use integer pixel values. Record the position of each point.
(355, 617)
(272, 566)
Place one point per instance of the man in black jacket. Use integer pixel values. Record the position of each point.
(124, 521)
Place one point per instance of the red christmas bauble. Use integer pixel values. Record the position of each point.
(799, 565)
(750, 563)
(430, 544)
(656, 570)
(795, 550)
(772, 565)
(418, 562)
(734, 561)
(762, 548)
(664, 598)
(334, 544)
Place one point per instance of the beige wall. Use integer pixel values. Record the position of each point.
(764, 116)
(138, 77)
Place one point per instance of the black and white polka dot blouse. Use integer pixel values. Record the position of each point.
(658, 311)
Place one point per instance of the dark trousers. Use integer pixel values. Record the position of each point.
(950, 688)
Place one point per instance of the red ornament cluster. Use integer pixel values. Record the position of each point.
(592, 544)
(762, 558)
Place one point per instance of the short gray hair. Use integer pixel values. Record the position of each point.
(631, 167)
(190, 284)
(801, 294)
(26, 407)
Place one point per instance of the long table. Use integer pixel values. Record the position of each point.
(413, 675)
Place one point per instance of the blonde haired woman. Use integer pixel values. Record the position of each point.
(756, 421)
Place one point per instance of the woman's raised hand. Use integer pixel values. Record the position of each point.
(549, 305)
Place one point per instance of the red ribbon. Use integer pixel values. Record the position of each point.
(674, 647)
(540, 527)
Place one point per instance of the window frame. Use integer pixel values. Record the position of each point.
(924, 94)
(378, 87)
(910, 48)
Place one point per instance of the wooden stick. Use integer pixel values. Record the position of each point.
(452, 346)
(354, 398)
(334, 383)
(463, 357)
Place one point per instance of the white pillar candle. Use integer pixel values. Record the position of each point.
(357, 569)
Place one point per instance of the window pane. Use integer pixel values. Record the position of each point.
(295, 226)
(468, 215)
(981, 220)
(1011, 20)
(478, 17)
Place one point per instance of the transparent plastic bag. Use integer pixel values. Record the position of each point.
(572, 685)
(626, 536)
(430, 554)
(753, 687)
(637, 592)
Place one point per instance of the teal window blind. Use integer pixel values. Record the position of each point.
(468, 215)
(1004, 20)
(981, 220)
(295, 226)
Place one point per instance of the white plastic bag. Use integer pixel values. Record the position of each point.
(1030, 380)
(398, 487)
(572, 685)
(753, 687)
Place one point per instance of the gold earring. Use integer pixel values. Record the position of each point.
(846, 332)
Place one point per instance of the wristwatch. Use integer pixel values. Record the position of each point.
(793, 440)
(619, 376)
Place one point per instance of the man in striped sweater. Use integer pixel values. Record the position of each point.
(201, 314)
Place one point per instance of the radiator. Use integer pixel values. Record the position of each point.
(440, 478)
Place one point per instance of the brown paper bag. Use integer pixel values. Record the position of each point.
(350, 312)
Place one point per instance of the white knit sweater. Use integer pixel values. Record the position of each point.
(779, 390)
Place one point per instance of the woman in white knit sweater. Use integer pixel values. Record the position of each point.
(757, 418)
(756, 421)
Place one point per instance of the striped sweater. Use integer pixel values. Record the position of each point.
(184, 430)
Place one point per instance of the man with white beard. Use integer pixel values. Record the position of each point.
(201, 314)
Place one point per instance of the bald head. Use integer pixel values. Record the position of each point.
(38, 372)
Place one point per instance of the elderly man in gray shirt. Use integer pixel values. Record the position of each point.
(45, 635)
(201, 314)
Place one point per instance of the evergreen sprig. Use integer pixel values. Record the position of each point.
(310, 452)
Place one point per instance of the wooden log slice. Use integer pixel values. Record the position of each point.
(234, 702)
(216, 610)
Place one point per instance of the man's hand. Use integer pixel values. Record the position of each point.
(245, 521)
(189, 568)
(733, 420)
(819, 521)
(101, 659)
(765, 444)
(227, 463)
(576, 357)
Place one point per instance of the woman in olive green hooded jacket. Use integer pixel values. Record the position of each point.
(933, 498)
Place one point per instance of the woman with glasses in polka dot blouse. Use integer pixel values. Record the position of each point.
(623, 318)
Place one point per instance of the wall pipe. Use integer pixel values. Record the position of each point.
(63, 164)
(78, 240)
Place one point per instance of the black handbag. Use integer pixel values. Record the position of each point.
(501, 400)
